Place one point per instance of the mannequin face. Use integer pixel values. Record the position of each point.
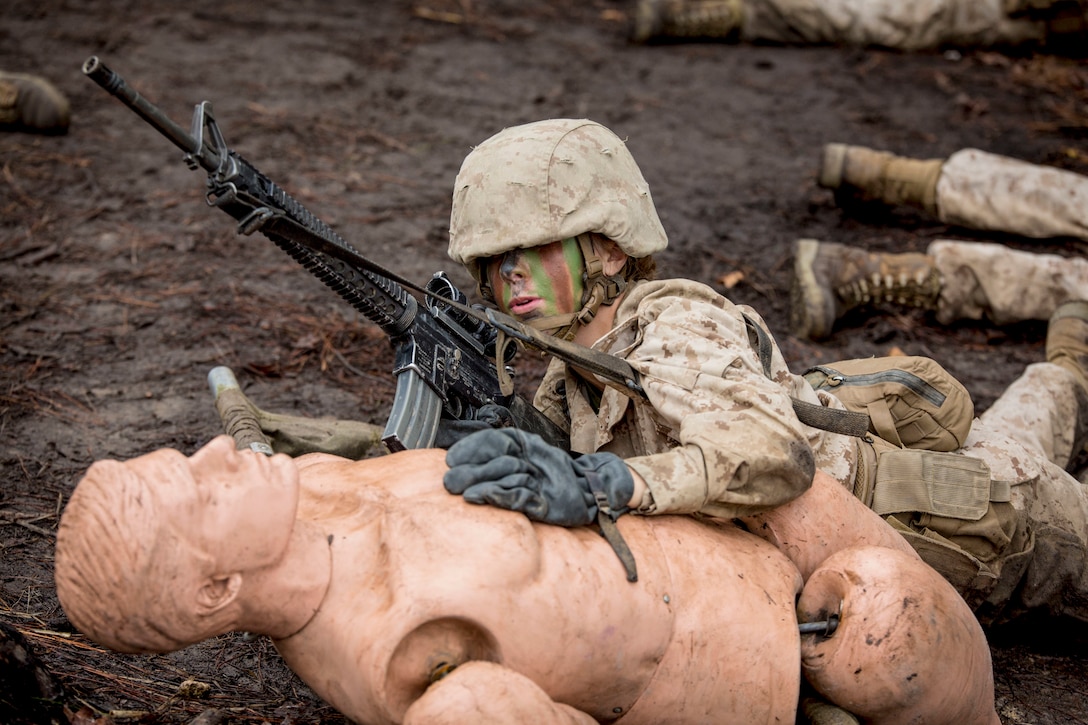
(538, 282)
(168, 543)
(237, 506)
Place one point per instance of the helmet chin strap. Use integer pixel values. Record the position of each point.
(598, 289)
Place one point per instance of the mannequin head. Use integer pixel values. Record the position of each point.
(153, 553)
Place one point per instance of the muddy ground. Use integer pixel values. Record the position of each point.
(120, 289)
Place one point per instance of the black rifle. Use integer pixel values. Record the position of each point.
(445, 359)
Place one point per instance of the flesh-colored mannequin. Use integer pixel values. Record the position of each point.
(887, 662)
(823, 520)
(399, 603)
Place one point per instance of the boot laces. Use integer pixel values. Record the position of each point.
(912, 290)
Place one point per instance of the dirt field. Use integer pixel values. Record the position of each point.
(120, 289)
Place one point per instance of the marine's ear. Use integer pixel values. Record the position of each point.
(612, 257)
(217, 592)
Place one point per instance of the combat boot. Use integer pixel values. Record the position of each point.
(1067, 339)
(686, 19)
(831, 279)
(31, 103)
(1067, 346)
(857, 173)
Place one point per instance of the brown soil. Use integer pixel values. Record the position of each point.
(120, 289)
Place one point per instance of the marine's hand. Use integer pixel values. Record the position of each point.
(519, 471)
(488, 416)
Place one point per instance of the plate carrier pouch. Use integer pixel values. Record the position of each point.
(911, 401)
(945, 504)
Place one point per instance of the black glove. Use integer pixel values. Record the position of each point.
(451, 430)
(519, 471)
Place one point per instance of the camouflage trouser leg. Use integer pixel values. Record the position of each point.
(1002, 284)
(914, 25)
(979, 190)
(1038, 411)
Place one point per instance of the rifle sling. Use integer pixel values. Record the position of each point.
(833, 420)
(608, 367)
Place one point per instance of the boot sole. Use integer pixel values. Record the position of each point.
(831, 165)
(806, 296)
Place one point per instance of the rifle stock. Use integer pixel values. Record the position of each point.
(443, 367)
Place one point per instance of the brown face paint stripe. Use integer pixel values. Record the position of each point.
(555, 271)
(547, 268)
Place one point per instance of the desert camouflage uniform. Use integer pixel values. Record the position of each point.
(718, 437)
(715, 436)
(982, 280)
(971, 188)
(956, 279)
(980, 190)
(1027, 438)
(913, 25)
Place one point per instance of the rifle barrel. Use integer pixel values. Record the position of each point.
(441, 362)
(97, 71)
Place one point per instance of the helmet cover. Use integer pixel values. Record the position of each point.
(547, 181)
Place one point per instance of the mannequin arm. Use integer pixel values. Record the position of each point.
(823, 520)
(485, 693)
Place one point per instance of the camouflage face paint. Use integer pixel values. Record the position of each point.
(538, 282)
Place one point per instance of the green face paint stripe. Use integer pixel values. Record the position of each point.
(538, 271)
(572, 252)
(556, 271)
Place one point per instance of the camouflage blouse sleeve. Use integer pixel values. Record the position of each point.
(741, 447)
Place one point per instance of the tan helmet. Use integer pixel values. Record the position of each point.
(547, 181)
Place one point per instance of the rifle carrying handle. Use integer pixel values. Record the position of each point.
(239, 419)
